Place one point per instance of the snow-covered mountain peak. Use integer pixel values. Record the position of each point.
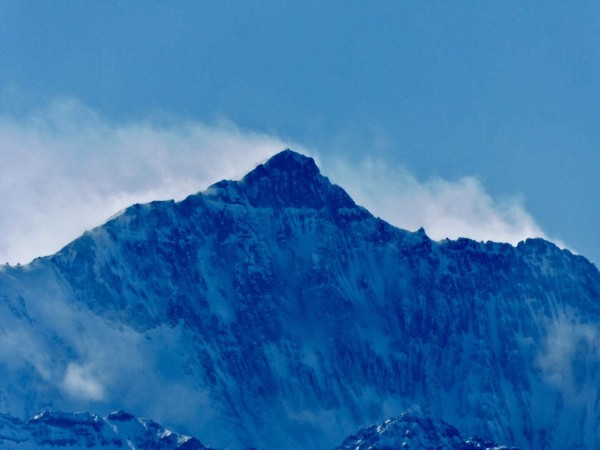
(290, 161)
(414, 429)
(286, 180)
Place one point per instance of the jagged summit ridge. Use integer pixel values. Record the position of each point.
(288, 179)
(290, 161)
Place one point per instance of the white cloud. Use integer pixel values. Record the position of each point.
(80, 382)
(570, 357)
(66, 169)
(459, 208)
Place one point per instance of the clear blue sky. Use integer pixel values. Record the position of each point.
(508, 92)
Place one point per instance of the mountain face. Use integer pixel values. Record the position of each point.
(119, 430)
(274, 312)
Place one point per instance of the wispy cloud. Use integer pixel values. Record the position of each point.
(69, 361)
(81, 382)
(445, 208)
(570, 357)
(66, 168)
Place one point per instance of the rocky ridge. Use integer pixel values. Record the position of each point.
(119, 430)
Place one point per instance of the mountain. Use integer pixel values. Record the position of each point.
(274, 312)
(414, 429)
(119, 430)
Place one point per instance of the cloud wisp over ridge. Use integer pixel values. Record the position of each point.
(445, 209)
(66, 169)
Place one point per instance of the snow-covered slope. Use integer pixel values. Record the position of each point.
(415, 429)
(73, 431)
(274, 312)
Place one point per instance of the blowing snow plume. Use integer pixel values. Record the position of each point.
(67, 168)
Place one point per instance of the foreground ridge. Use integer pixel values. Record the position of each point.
(70, 431)
(414, 429)
(119, 430)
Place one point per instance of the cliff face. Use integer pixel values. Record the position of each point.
(275, 312)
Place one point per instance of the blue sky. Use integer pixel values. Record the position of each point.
(493, 105)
